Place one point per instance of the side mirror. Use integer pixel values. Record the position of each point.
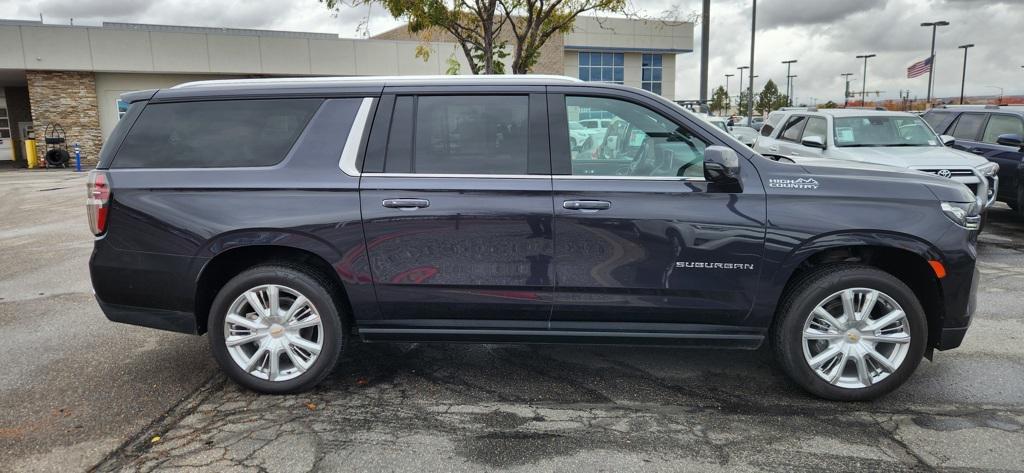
(1011, 139)
(813, 142)
(947, 140)
(721, 165)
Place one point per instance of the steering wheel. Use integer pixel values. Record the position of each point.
(644, 164)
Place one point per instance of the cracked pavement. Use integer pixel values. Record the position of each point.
(450, 407)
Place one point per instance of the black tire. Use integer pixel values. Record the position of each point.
(56, 157)
(1018, 206)
(816, 286)
(310, 285)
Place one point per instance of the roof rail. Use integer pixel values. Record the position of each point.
(356, 79)
(988, 106)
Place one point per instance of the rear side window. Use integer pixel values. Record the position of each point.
(460, 135)
(1002, 125)
(968, 127)
(227, 133)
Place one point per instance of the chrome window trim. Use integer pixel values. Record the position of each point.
(445, 176)
(532, 176)
(632, 178)
(350, 153)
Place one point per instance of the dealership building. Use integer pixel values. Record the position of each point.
(73, 75)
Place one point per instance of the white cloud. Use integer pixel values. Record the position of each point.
(823, 35)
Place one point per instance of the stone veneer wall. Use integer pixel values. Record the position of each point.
(67, 98)
(552, 60)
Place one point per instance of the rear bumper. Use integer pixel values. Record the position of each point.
(146, 289)
(174, 321)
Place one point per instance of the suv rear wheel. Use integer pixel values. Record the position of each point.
(276, 329)
(850, 333)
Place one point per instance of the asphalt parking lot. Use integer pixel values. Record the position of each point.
(78, 392)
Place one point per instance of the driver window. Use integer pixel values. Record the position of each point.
(630, 140)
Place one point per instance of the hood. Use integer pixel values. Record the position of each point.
(917, 157)
(943, 188)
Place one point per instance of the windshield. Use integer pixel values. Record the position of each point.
(883, 131)
(576, 126)
(721, 126)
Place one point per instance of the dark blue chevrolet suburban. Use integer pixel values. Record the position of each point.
(284, 217)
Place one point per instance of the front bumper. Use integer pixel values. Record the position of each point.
(952, 335)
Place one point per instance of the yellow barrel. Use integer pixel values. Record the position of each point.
(30, 153)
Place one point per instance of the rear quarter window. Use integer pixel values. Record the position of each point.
(226, 133)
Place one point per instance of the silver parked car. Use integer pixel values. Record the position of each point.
(875, 136)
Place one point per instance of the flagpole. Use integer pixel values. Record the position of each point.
(931, 70)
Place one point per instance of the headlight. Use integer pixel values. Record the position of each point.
(964, 214)
(989, 170)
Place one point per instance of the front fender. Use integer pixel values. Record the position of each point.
(784, 254)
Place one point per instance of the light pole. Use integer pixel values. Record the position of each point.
(739, 96)
(864, 79)
(790, 86)
(846, 94)
(728, 99)
(931, 68)
(789, 91)
(963, 78)
(750, 91)
(705, 38)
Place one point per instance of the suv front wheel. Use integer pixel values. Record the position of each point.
(850, 333)
(276, 329)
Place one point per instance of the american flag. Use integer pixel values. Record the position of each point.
(918, 68)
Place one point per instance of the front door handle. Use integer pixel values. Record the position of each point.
(978, 150)
(587, 205)
(406, 204)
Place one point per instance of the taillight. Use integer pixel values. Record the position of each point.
(97, 201)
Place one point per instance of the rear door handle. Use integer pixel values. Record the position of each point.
(406, 204)
(587, 205)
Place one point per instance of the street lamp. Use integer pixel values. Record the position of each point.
(789, 85)
(963, 78)
(931, 68)
(846, 93)
(864, 79)
(750, 92)
(739, 96)
(728, 99)
(789, 92)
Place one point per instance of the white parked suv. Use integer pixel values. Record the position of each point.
(878, 137)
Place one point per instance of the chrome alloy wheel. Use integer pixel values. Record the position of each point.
(856, 337)
(273, 332)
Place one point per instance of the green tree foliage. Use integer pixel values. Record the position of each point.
(478, 25)
(534, 22)
(719, 100)
(829, 104)
(768, 99)
(741, 104)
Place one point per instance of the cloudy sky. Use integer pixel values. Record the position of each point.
(823, 35)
